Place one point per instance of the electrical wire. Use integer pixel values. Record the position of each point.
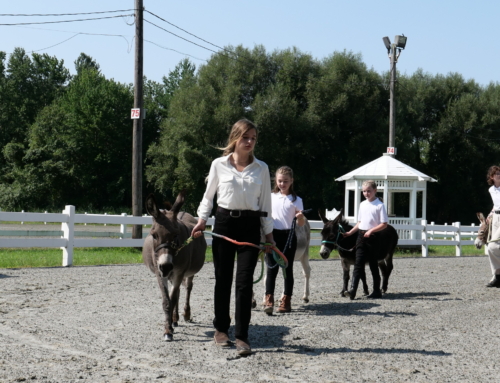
(170, 49)
(42, 49)
(62, 21)
(189, 33)
(172, 33)
(62, 14)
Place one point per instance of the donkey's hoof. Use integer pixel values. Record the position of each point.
(254, 303)
(306, 300)
(168, 337)
(175, 324)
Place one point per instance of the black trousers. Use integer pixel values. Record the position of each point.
(366, 251)
(242, 229)
(280, 237)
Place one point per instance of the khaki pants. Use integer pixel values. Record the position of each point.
(494, 247)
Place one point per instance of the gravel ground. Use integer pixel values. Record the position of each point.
(437, 323)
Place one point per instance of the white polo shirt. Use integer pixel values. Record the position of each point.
(371, 214)
(284, 210)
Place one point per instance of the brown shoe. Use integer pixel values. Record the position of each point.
(221, 339)
(243, 347)
(285, 305)
(269, 304)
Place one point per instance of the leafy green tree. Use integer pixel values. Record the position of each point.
(85, 62)
(79, 149)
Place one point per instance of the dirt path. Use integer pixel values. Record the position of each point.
(438, 323)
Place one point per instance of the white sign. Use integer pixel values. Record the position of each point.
(136, 114)
(391, 150)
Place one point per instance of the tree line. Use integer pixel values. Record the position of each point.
(67, 139)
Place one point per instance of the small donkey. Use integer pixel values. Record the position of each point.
(170, 259)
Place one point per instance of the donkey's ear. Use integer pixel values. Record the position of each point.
(480, 216)
(152, 207)
(322, 216)
(179, 202)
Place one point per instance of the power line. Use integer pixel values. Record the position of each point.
(63, 21)
(170, 49)
(42, 49)
(62, 14)
(189, 33)
(172, 33)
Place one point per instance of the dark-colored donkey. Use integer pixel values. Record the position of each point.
(332, 237)
(169, 260)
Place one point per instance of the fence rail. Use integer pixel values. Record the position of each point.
(69, 237)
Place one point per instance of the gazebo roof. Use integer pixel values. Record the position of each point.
(386, 167)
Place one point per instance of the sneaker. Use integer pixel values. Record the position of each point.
(221, 339)
(243, 347)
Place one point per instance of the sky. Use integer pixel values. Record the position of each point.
(444, 36)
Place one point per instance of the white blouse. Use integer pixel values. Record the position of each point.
(246, 190)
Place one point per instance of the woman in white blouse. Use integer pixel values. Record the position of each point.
(243, 187)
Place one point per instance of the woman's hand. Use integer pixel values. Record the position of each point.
(198, 228)
(300, 218)
(269, 239)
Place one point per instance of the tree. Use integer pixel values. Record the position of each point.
(79, 149)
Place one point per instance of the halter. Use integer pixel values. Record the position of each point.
(171, 245)
(336, 243)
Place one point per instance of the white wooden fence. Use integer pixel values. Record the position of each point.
(67, 238)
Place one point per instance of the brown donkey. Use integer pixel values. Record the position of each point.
(170, 259)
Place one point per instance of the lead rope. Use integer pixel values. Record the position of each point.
(279, 256)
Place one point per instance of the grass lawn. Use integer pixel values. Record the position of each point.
(37, 257)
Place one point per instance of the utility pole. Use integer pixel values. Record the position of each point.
(137, 122)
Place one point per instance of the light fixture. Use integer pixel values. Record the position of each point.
(387, 43)
(400, 41)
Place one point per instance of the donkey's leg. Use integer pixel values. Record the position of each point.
(163, 283)
(306, 270)
(387, 273)
(174, 299)
(188, 283)
(346, 275)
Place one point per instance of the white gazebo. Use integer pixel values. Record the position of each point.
(404, 191)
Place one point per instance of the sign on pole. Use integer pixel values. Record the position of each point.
(136, 114)
(391, 150)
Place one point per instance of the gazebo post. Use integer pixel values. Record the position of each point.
(413, 207)
(357, 200)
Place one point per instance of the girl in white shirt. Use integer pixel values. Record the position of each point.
(493, 179)
(243, 189)
(287, 205)
(372, 217)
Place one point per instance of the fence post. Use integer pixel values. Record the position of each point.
(123, 227)
(458, 235)
(68, 229)
(425, 246)
(22, 222)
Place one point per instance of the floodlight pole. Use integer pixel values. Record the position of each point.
(392, 100)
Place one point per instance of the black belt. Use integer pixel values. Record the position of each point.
(242, 213)
(497, 211)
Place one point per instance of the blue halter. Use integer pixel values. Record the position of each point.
(336, 243)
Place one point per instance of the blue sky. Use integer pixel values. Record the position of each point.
(443, 35)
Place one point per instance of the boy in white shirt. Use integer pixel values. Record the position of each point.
(372, 217)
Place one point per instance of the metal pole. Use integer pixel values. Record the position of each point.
(137, 125)
(392, 106)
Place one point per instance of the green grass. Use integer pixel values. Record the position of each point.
(37, 257)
